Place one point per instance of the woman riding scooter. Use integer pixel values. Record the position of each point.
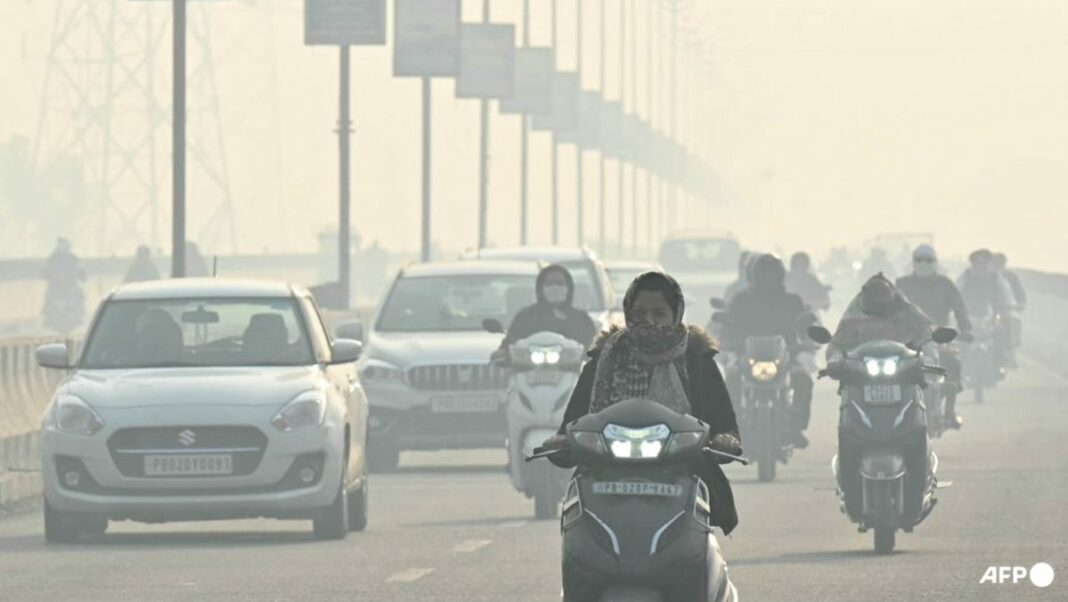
(657, 357)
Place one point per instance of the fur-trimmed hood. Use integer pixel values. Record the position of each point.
(699, 341)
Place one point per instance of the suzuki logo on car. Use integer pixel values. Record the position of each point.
(187, 437)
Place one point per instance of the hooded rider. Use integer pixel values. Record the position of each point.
(553, 312)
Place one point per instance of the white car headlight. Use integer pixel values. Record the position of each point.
(307, 409)
(72, 415)
(640, 444)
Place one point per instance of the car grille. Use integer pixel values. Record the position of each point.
(128, 447)
(458, 377)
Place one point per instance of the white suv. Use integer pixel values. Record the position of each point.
(205, 399)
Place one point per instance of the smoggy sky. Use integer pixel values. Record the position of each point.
(829, 121)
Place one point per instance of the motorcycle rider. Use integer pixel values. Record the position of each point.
(938, 297)
(1019, 293)
(767, 309)
(64, 305)
(142, 268)
(657, 357)
(987, 292)
(880, 311)
(801, 281)
(553, 312)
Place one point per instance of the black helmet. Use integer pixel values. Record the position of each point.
(877, 296)
(768, 273)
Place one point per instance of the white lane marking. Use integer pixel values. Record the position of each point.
(471, 545)
(514, 524)
(409, 575)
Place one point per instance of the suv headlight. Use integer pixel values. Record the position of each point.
(639, 444)
(306, 409)
(382, 372)
(72, 415)
(764, 371)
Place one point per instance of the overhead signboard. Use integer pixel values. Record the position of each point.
(487, 61)
(533, 89)
(345, 22)
(426, 36)
(563, 119)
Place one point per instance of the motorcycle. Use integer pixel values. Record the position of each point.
(636, 520)
(885, 471)
(983, 367)
(544, 369)
(765, 404)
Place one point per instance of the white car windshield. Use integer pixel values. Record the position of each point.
(704, 254)
(448, 303)
(588, 293)
(198, 332)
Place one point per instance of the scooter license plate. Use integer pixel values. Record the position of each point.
(637, 488)
(544, 377)
(882, 393)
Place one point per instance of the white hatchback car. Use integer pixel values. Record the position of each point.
(205, 399)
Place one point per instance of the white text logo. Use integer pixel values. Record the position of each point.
(1041, 575)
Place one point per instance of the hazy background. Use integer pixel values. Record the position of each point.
(831, 121)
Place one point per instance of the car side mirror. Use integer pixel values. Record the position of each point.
(345, 351)
(350, 330)
(820, 334)
(943, 335)
(717, 303)
(493, 325)
(54, 355)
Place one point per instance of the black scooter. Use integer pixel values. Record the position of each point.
(884, 467)
(635, 519)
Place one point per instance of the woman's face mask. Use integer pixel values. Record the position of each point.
(555, 294)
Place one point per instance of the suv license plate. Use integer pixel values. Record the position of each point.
(637, 488)
(189, 465)
(882, 393)
(453, 405)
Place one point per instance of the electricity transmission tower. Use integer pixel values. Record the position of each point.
(106, 101)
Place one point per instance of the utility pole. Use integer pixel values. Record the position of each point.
(483, 156)
(178, 142)
(673, 102)
(650, 13)
(634, 110)
(623, 104)
(524, 146)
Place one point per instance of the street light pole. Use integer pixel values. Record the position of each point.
(344, 130)
(178, 21)
(427, 98)
(622, 103)
(602, 200)
(650, 13)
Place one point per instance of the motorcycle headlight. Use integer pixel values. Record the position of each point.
(381, 372)
(72, 415)
(883, 367)
(638, 444)
(307, 409)
(764, 371)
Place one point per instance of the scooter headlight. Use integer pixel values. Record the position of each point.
(684, 441)
(542, 356)
(764, 371)
(636, 444)
(873, 367)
